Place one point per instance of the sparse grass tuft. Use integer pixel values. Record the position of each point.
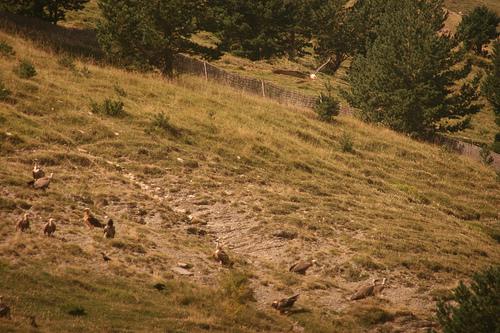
(346, 143)
(25, 69)
(160, 121)
(6, 49)
(4, 92)
(109, 107)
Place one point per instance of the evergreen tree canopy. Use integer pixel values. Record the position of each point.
(48, 10)
(332, 38)
(262, 29)
(407, 80)
(147, 33)
(476, 307)
(478, 27)
(491, 85)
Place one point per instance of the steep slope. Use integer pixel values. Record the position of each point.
(241, 169)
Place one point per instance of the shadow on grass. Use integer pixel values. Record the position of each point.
(77, 42)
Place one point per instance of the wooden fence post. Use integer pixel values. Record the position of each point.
(263, 88)
(205, 68)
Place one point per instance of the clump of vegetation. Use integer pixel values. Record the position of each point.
(485, 155)
(160, 121)
(496, 144)
(478, 28)
(25, 69)
(391, 87)
(346, 143)
(6, 49)
(51, 11)
(474, 308)
(112, 108)
(236, 286)
(67, 62)
(4, 92)
(77, 311)
(327, 106)
(491, 85)
(120, 91)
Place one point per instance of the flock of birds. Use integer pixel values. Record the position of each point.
(40, 181)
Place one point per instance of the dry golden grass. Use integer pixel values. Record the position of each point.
(243, 168)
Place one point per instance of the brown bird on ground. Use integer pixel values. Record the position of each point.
(49, 228)
(24, 223)
(285, 304)
(109, 229)
(368, 291)
(105, 257)
(4, 309)
(221, 256)
(90, 220)
(302, 266)
(43, 183)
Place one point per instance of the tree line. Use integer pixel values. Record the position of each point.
(405, 70)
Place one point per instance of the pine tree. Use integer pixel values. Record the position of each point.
(407, 80)
(491, 85)
(333, 43)
(478, 27)
(147, 33)
(262, 29)
(475, 308)
(48, 10)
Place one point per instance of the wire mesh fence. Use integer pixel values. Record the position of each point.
(187, 65)
(184, 64)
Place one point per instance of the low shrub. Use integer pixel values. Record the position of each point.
(112, 108)
(346, 143)
(327, 106)
(485, 155)
(4, 92)
(160, 121)
(67, 62)
(473, 308)
(25, 70)
(6, 49)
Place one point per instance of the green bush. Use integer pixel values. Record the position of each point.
(346, 143)
(109, 107)
(4, 92)
(327, 106)
(474, 308)
(161, 121)
(485, 155)
(25, 70)
(6, 49)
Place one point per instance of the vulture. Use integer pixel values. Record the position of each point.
(37, 172)
(49, 228)
(43, 183)
(4, 309)
(285, 304)
(302, 266)
(90, 220)
(109, 229)
(24, 223)
(105, 257)
(368, 291)
(221, 256)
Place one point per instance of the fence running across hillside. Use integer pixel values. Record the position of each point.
(184, 64)
(187, 65)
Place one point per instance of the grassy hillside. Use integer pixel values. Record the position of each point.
(242, 169)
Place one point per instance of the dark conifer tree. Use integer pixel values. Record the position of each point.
(478, 28)
(48, 10)
(408, 78)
